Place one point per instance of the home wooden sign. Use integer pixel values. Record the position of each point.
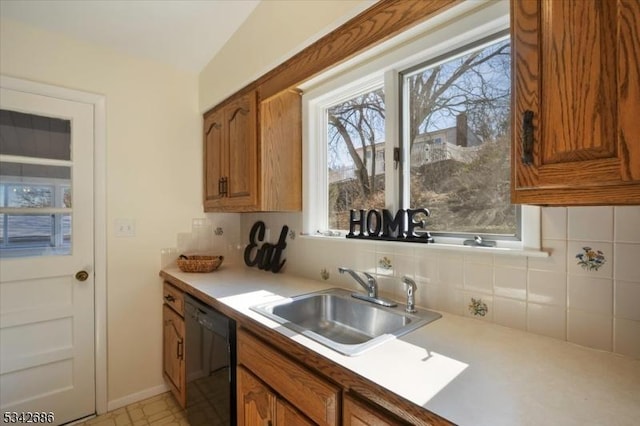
(382, 225)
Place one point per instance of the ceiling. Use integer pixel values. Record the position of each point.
(183, 33)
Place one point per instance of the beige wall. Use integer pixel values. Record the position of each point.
(275, 31)
(154, 151)
(153, 176)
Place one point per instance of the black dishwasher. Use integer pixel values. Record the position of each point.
(210, 365)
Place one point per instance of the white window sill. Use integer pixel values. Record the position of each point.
(507, 251)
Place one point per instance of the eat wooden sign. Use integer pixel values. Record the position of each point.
(267, 256)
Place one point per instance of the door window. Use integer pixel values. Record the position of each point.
(35, 185)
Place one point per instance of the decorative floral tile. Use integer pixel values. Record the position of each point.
(590, 259)
(385, 263)
(324, 274)
(218, 231)
(477, 307)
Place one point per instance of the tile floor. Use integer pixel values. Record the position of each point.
(208, 406)
(158, 410)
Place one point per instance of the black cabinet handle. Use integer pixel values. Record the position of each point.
(527, 137)
(180, 349)
(169, 298)
(223, 187)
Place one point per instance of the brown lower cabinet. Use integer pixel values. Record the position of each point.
(173, 353)
(274, 390)
(258, 405)
(357, 413)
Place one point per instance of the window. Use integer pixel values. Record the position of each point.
(355, 133)
(464, 181)
(20, 232)
(35, 185)
(440, 115)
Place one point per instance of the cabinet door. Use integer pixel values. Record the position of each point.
(576, 68)
(289, 416)
(359, 414)
(256, 402)
(281, 151)
(213, 169)
(316, 398)
(243, 168)
(173, 353)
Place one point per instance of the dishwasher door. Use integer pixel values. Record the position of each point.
(210, 365)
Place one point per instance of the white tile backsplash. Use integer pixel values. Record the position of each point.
(589, 329)
(627, 224)
(510, 313)
(590, 223)
(547, 287)
(478, 278)
(547, 320)
(426, 269)
(627, 301)
(553, 296)
(627, 262)
(554, 223)
(510, 261)
(450, 270)
(627, 337)
(510, 282)
(590, 294)
(404, 266)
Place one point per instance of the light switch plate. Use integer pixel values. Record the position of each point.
(125, 227)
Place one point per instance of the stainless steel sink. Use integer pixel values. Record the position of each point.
(347, 325)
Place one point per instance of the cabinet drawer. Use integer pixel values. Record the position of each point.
(316, 398)
(173, 298)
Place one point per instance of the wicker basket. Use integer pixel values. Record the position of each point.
(199, 263)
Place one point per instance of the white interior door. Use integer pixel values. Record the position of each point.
(47, 361)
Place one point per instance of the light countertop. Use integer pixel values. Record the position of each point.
(465, 370)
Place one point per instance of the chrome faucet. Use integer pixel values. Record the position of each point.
(371, 285)
(411, 294)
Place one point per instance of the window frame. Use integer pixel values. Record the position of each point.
(487, 22)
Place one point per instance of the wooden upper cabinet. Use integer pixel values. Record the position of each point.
(241, 121)
(576, 87)
(281, 151)
(213, 154)
(252, 154)
(230, 150)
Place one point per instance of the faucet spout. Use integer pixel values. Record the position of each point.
(370, 285)
(411, 294)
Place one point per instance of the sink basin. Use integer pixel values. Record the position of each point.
(347, 325)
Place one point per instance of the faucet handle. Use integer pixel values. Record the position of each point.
(411, 294)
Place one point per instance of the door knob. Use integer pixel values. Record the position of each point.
(82, 275)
